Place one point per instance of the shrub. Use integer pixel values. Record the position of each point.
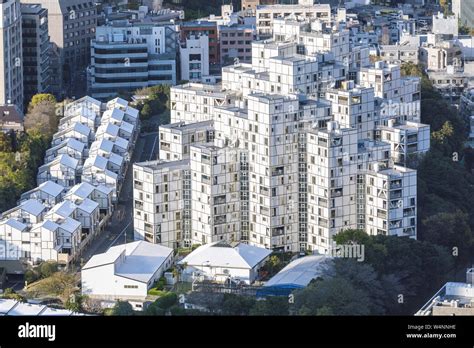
(47, 269)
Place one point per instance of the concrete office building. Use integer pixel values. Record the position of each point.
(71, 26)
(11, 57)
(36, 50)
(127, 56)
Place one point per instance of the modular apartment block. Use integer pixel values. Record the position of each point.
(299, 151)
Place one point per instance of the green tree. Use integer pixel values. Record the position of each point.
(167, 300)
(74, 303)
(122, 308)
(452, 231)
(272, 306)
(417, 266)
(146, 112)
(335, 296)
(47, 268)
(9, 293)
(31, 276)
(42, 118)
(40, 98)
(236, 305)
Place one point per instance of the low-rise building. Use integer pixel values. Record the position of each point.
(48, 193)
(221, 261)
(296, 275)
(11, 118)
(125, 272)
(194, 58)
(454, 298)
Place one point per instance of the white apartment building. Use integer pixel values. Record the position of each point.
(176, 138)
(299, 152)
(128, 56)
(438, 55)
(446, 25)
(267, 13)
(194, 58)
(162, 215)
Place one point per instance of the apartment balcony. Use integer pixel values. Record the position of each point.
(396, 194)
(219, 199)
(381, 214)
(165, 146)
(396, 184)
(220, 219)
(278, 171)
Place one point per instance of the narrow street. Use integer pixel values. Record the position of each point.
(120, 227)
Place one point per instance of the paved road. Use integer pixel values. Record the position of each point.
(120, 227)
(150, 151)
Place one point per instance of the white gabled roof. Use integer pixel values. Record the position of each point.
(54, 311)
(88, 205)
(121, 142)
(48, 225)
(64, 209)
(69, 224)
(142, 259)
(117, 102)
(68, 161)
(220, 254)
(301, 271)
(62, 159)
(109, 128)
(82, 190)
(115, 159)
(15, 224)
(33, 207)
(75, 144)
(51, 188)
(85, 100)
(80, 128)
(71, 143)
(102, 144)
(104, 189)
(132, 112)
(115, 114)
(127, 127)
(96, 161)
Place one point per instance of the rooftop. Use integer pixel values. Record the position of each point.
(160, 164)
(33, 207)
(221, 254)
(141, 259)
(300, 272)
(10, 113)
